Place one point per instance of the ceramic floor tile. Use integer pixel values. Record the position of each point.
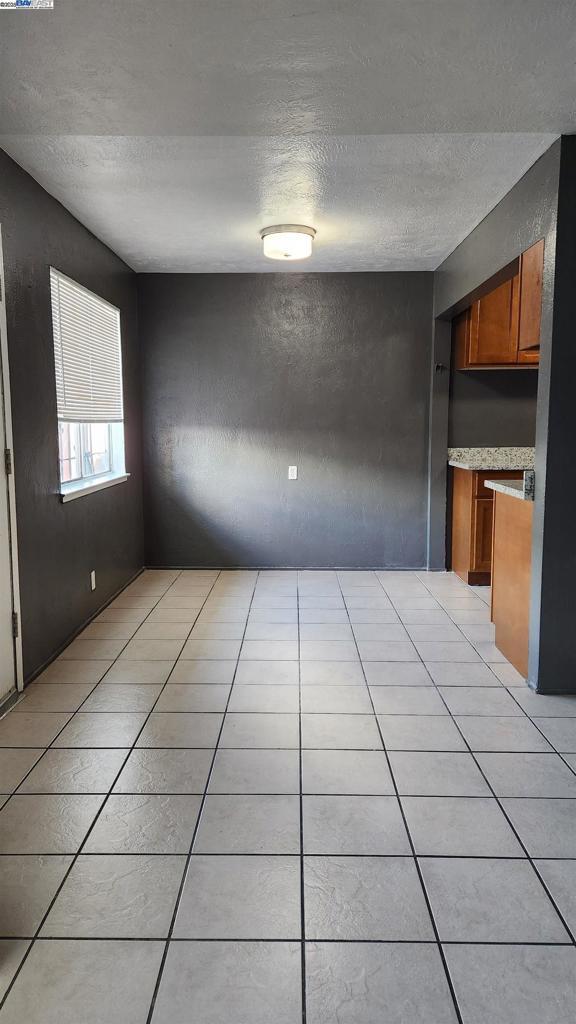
(508, 675)
(353, 700)
(74, 672)
(490, 653)
(15, 763)
(252, 673)
(476, 700)
(560, 879)
(489, 900)
(75, 771)
(335, 616)
(218, 631)
(424, 617)
(420, 773)
(271, 698)
(203, 672)
(221, 982)
(535, 775)
(325, 632)
(260, 730)
(165, 771)
(380, 633)
(184, 697)
(174, 729)
(363, 899)
(280, 615)
(27, 887)
(407, 700)
(253, 771)
(420, 732)
(560, 732)
(514, 984)
(328, 650)
(325, 673)
(11, 955)
(340, 732)
(366, 825)
(459, 827)
(249, 824)
(116, 897)
(348, 772)
(162, 631)
(92, 650)
(139, 672)
(546, 827)
(396, 673)
(101, 730)
(445, 673)
(371, 616)
(240, 897)
(211, 650)
(356, 983)
(145, 824)
(387, 651)
(96, 982)
(151, 650)
(53, 697)
(123, 697)
(271, 631)
(31, 729)
(449, 652)
(538, 705)
(46, 824)
(502, 734)
(431, 633)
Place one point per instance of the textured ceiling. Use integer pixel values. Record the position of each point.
(176, 129)
(395, 202)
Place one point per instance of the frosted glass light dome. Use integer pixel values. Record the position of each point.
(287, 241)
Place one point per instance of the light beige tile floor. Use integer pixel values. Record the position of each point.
(234, 782)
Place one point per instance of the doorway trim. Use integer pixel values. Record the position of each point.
(6, 411)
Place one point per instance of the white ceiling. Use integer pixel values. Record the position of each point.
(176, 130)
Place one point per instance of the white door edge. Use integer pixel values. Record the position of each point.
(7, 410)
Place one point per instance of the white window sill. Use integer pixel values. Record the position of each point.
(70, 492)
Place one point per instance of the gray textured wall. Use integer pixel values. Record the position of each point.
(492, 407)
(245, 374)
(60, 544)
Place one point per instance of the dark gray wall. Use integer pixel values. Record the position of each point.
(492, 407)
(245, 374)
(60, 544)
(552, 667)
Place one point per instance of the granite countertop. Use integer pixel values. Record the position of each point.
(491, 458)
(515, 488)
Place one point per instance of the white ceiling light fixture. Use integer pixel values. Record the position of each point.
(287, 241)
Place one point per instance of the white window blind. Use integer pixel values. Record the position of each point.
(87, 354)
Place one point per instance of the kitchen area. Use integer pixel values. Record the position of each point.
(495, 358)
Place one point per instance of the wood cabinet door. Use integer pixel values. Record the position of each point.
(482, 534)
(461, 339)
(494, 326)
(530, 300)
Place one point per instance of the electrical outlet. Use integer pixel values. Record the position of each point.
(93, 580)
(292, 472)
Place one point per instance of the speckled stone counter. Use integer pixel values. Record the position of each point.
(491, 458)
(515, 488)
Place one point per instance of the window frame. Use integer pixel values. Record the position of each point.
(116, 474)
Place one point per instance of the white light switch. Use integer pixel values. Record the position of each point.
(92, 580)
(292, 472)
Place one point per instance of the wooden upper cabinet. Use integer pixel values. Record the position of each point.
(530, 302)
(502, 328)
(493, 326)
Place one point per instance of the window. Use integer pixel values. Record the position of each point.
(88, 362)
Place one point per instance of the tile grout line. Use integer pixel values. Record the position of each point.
(301, 809)
(408, 834)
(102, 805)
(179, 894)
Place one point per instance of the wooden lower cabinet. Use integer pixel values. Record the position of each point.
(511, 578)
(472, 507)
